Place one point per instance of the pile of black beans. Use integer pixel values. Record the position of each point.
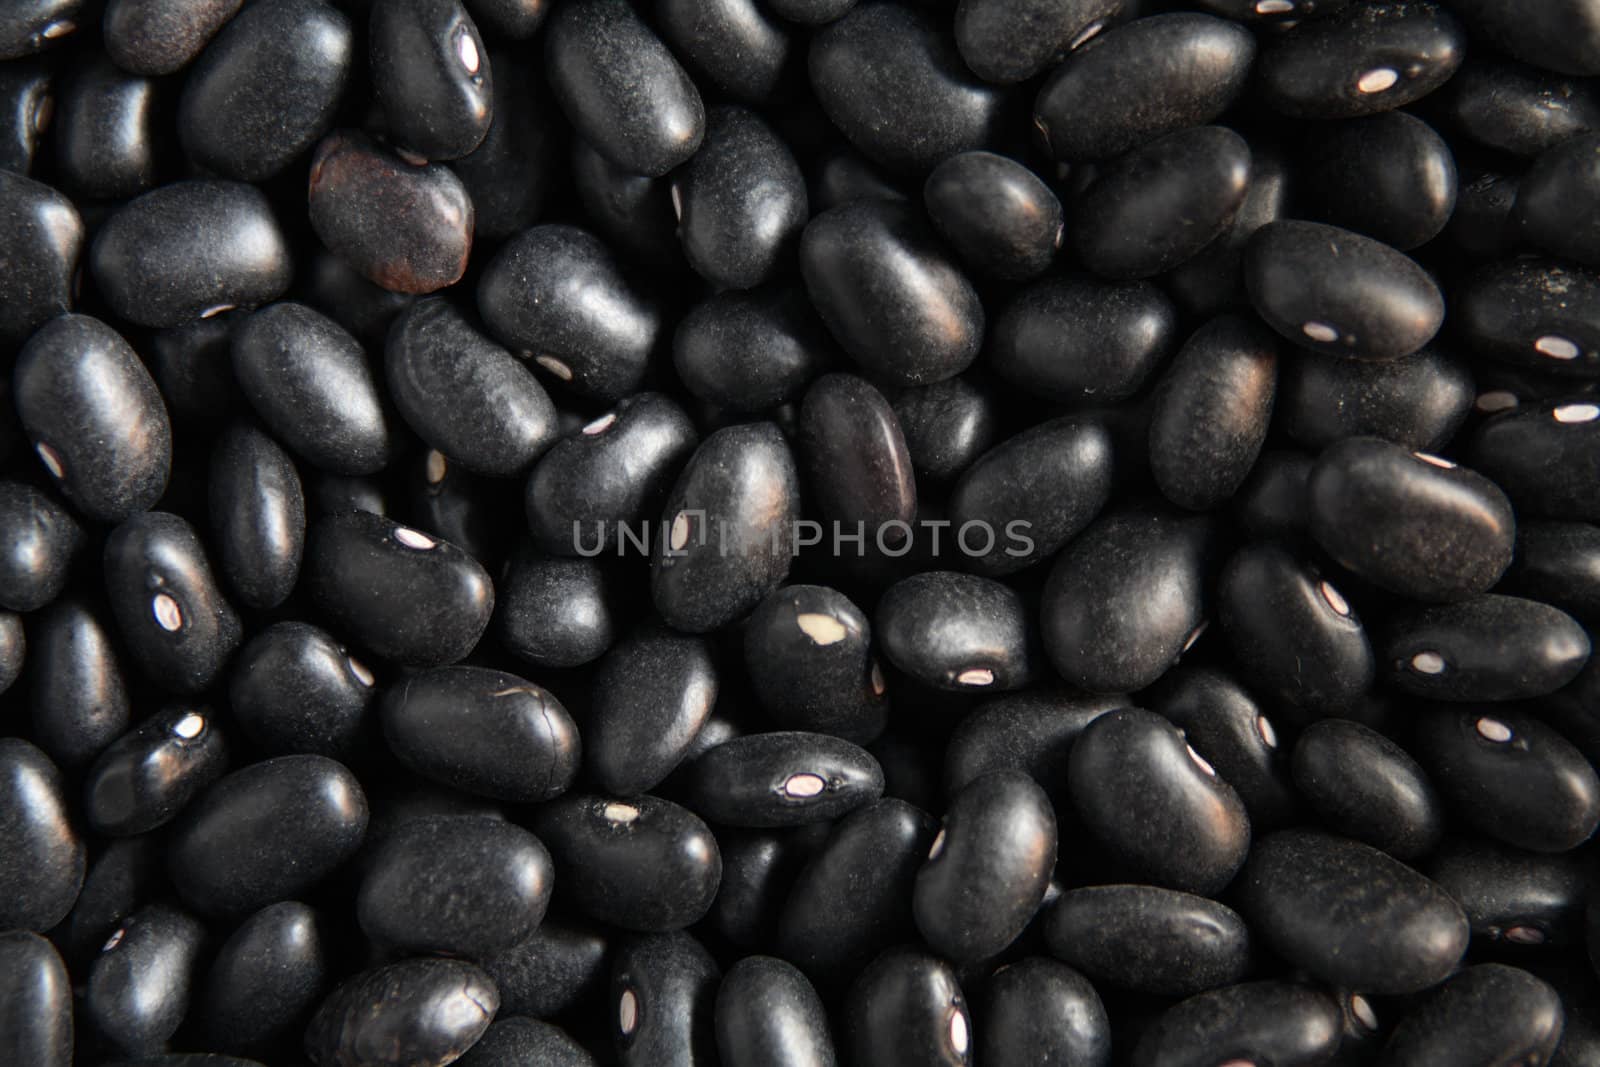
(793, 533)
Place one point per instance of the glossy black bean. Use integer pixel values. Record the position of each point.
(26, 109)
(514, 19)
(786, 778)
(188, 250)
(741, 201)
(633, 212)
(1558, 35)
(1150, 77)
(892, 81)
(1147, 939)
(1489, 648)
(419, 1011)
(1410, 522)
(1545, 456)
(1003, 220)
(1338, 292)
(555, 612)
(267, 88)
(482, 731)
(556, 293)
(1513, 897)
(750, 351)
(1212, 408)
(853, 897)
(138, 989)
(1417, 401)
(768, 1015)
(641, 864)
(947, 426)
(1126, 599)
(1548, 213)
(1485, 1015)
(509, 174)
(295, 689)
(146, 777)
(35, 1001)
(559, 966)
(1161, 203)
(1350, 915)
(888, 292)
(955, 631)
(1294, 634)
(407, 227)
(1272, 1022)
(1031, 731)
(808, 654)
(1148, 798)
(988, 868)
(1534, 313)
(907, 1009)
(1361, 60)
(453, 884)
(1212, 280)
(1041, 1011)
(1389, 176)
(77, 700)
(169, 610)
(162, 36)
(106, 130)
(42, 880)
(724, 540)
(664, 987)
(621, 88)
(855, 457)
(1363, 785)
(34, 25)
(77, 381)
(13, 648)
(1558, 563)
(430, 74)
(742, 50)
(123, 878)
(1081, 340)
(258, 516)
(511, 1040)
(651, 695)
(38, 539)
(267, 976)
(1510, 776)
(1518, 109)
(1011, 42)
(266, 833)
(399, 592)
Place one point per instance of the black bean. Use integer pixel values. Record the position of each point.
(511, 1040)
(632, 211)
(1491, 647)
(482, 731)
(295, 689)
(1150, 77)
(558, 967)
(1558, 35)
(652, 693)
(1516, 898)
(556, 293)
(1486, 1014)
(1274, 1022)
(1546, 456)
(855, 457)
(78, 700)
(267, 976)
(785, 778)
(26, 109)
(955, 631)
(1547, 213)
(1161, 809)
(397, 591)
(1273, 12)
(664, 988)
(404, 226)
(853, 898)
(808, 654)
(621, 88)
(1338, 292)
(1558, 563)
(456, 884)
(42, 880)
(144, 778)
(1003, 220)
(724, 539)
(166, 601)
(510, 172)
(258, 516)
(1361, 60)
(758, 867)
(1363, 785)
(1481, 226)
(1350, 915)
(1417, 401)
(431, 75)
(1031, 731)
(1518, 109)
(106, 133)
(555, 612)
(768, 1015)
(1006, 42)
(750, 351)
(906, 1009)
(138, 989)
(425, 1012)
(743, 51)
(40, 539)
(123, 878)
(35, 1001)
(888, 292)
(33, 25)
(947, 426)
(1038, 1010)
(13, 649)
(77, 381)
(1077, 339)
(515, 19)
(1389, 176)
(844, 175)
(640, 864)
(162, 36)
(266, 833)
(811, 12)
(1212, 280)
(1147, 939)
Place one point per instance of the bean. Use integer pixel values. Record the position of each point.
(1512, 897)
(1535, 314)
(1292, 1025)
(750, 351)
(267, 975)
(1485, 1014)
(555, 612)
(1364, 786)
(1518, 109)
(1544, 455)
(106, 129)
(559, 966)
(1007, 43)
(906, 1008)
(420, 1011)
(162, 36)
(36, 1021)
(1148, 939)
(431, 75)
(37, 24)
(767, 1015)
(145, 778)
(1556, 35)
(514, 1040)
(1556, 563)
(785, 778)
(956, 632)
(947, 426)
(742, 50)
(41, 538)
(1389, 176)
(1489, 648)
(295, 689)
(138, 990)
(855, 455)
(27, 107)
(258, 516)
(1000, 216)
(1417, 401)
(808, 653)
(1039, 1008)
(664, 988)
(510, 174)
